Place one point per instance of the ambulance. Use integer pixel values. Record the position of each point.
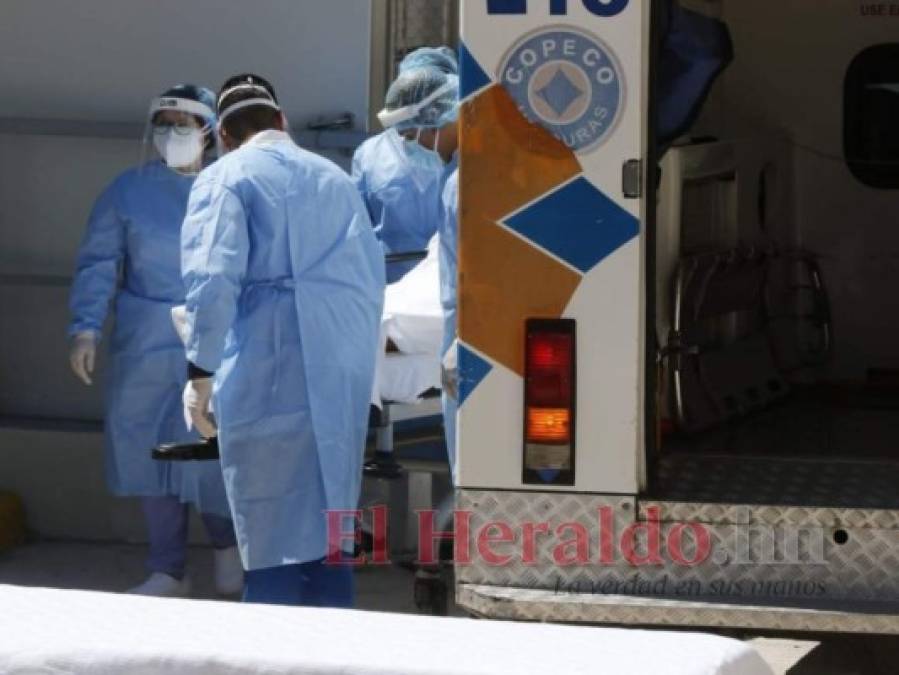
(678, 313)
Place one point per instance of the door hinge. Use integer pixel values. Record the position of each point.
(632, 179)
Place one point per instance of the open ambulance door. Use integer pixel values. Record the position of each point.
(552, 252)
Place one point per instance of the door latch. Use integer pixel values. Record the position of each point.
(632, 179)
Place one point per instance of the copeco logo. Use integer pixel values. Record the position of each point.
(567, 81)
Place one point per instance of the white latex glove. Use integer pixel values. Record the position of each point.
(83, 355)
(449, 371)
(196, 399)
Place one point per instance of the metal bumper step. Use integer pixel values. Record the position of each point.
(521, 604)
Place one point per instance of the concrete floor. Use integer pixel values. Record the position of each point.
(115, 567)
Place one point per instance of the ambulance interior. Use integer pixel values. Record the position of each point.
(777, 267)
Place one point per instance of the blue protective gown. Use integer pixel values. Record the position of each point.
(403, 204)
(285, 287)
(134, 232)
(449, 272)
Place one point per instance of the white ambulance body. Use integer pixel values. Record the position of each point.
(679, 386)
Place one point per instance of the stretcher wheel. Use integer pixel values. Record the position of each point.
(430, 593)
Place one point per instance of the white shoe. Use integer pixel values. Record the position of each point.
(228, 571)
(162, 586)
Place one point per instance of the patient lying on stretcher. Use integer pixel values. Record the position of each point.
(411, 332)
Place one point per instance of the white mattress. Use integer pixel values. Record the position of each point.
(413, 321)
(61, 632)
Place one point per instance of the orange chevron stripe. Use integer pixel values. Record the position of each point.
(505, 281)
(506, 162)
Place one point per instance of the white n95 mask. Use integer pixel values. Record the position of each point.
(180, 150)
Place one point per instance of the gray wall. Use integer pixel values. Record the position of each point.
(47, 186)
(88, 69)
(103, 59)
(60, 476)
(76, 79)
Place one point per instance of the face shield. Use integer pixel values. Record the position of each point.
(420, 102)
(180, 133)
(422, 113)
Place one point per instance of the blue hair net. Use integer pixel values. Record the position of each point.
(443, 58)
(421, 98)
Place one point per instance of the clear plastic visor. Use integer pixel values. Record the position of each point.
(179, 135)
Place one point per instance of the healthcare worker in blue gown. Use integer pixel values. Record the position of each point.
(421, 118)
(285, 288)
(131, 254)
(403, 199)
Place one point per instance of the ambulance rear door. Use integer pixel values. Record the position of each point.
(551, 249)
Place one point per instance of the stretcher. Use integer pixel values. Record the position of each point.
(407, 376)
(412, 334)
(52, 631)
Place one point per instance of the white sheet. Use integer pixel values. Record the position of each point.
(44, 632)
(404, 377)
(413, 320)
(413, 317)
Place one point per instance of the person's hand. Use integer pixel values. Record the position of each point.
(83, 355)
(449, 371)
(196, 398)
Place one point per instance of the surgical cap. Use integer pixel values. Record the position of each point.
(443, 58)
(421, 98)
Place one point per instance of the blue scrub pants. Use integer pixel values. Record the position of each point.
(311, 584)
(167, 520)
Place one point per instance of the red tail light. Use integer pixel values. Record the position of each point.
(549, 401)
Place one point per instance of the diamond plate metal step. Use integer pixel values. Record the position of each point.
(797, 481)
(766, 556)
(542, 605)
(717, 513)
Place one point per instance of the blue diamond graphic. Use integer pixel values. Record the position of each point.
(560, 92)
(472, 76)
(577, 223)
(472, 371)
